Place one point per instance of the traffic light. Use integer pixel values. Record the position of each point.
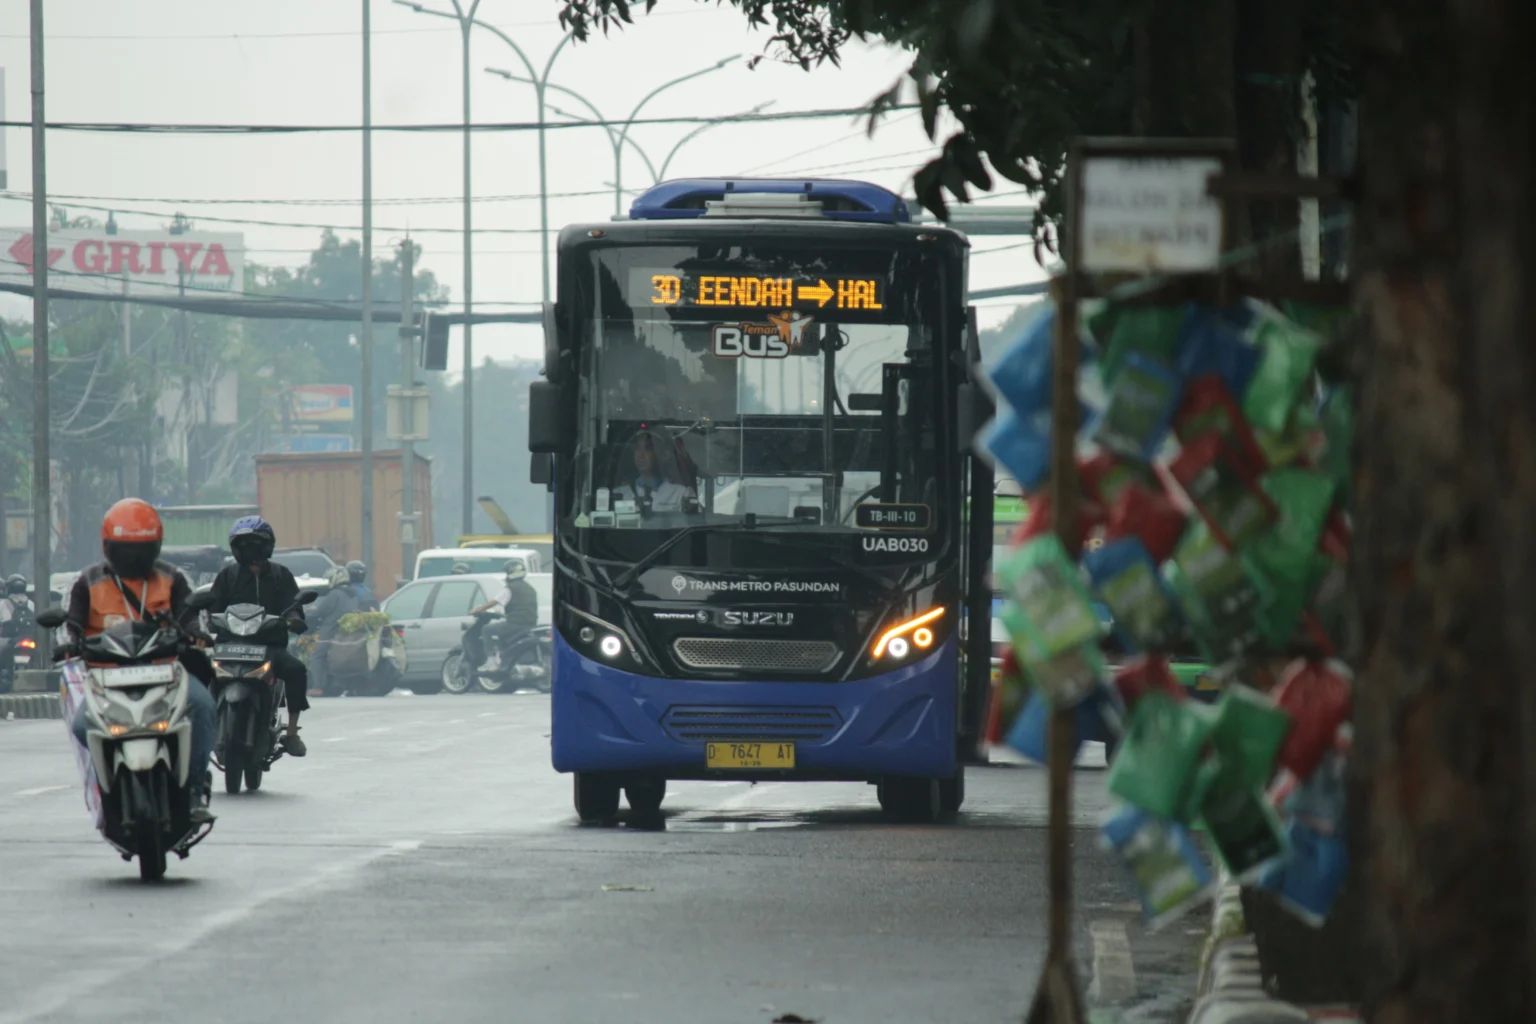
(434, 342)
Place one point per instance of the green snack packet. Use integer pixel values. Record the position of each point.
(1152, 331)
(1338, 426)
(1289, 352)
(1217, 594)
(1054, 612)
(1067, 678)
(1286, 558)
(1295, 444)
(1242, 825)
(1157, 765)
(1248, 733)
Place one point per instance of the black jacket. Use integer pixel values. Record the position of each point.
(275, 589)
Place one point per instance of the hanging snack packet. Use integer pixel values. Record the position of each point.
(1022, 374)
(1318, 801)
(1309, 881)
(1216, 594)
(1157, 765)
(1215, 343)
(1139, 408)
(1241, 823)
(1069, 677)
(1288, 353)
(1126, 579)
(1031, 731)
(1301, 436)
(1209, 408)
(1316, 694)
(1287, 556)
(1337, 420)
(1040, 521)
(1211, 473)
(1054, 611)
(1146, 674)
(1149, 331)
(1166, 868)
(1248, 733)
(1148, 515)
(1105, 476)
(1018, 446)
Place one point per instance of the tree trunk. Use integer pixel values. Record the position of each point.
(1446, 465)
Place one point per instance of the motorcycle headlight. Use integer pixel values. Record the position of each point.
(243, 627)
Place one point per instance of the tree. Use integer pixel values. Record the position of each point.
(1445, 561)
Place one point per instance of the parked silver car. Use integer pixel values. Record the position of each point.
(434, 611)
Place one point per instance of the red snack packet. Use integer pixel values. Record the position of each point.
(1150, 516)
(1334, 541)
(1143, 675)
(1105, 477)
(1040, 521)
(1212, 475)
(1209, 408)
(1316, 694)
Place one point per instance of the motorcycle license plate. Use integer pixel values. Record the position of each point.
(23, 660)
(136, 675)
(729, 754)
(239, 652)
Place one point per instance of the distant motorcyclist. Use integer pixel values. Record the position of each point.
(327, 613)
(256, 579)
(132, 584)
(519, 604)
(13, 600)
(357, 575)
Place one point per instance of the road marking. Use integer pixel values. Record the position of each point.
(454, 721)
(333, 739)
(40, 790)
(87, 982)
(488, 714)
(1114, 974)
(379, 729)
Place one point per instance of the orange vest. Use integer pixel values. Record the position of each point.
(110, 603)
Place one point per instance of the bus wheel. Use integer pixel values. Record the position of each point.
(952, 792)
(645, 795)
(904, 798)
(597, 797)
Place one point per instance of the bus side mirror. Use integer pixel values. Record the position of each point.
(973, 408)
(541, 469)
(546, 423)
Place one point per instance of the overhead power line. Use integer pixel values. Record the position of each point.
(216, 128)
(61, 197)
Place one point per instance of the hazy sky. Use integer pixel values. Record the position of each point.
(299, 61)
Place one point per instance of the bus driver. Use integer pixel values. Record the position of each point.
(649, 486)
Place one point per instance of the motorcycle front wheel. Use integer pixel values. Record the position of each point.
(151, 853)
(234, 768)
(455, 674)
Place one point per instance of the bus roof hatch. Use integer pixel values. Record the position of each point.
(829, 198)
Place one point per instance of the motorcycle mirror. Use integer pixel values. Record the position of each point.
(199, 600)
(308, 597)
(53, 618)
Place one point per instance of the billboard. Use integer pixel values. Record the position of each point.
(201, 263)
(313, 443)
(321, 403)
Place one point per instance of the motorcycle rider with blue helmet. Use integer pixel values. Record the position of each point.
(256, 579)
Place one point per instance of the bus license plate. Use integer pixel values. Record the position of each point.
(728, 754)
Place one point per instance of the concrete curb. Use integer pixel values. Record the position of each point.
(30, 705)
(1231, 987)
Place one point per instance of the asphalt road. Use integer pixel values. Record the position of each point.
(424, 864)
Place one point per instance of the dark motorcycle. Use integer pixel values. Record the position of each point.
(17, 647)
(138, 738)
(498, 667)
(248, 695)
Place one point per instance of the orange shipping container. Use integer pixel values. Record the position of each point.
(316, 500)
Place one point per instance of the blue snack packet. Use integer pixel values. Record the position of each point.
(1018, 446)
(1309, 881)
(1139, 409)
(1165, 866)
(1022, 374)
(1126, 579)
(1097, 719)
(1217, 342)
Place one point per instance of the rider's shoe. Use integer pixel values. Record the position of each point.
(201, 794)
(293, 746)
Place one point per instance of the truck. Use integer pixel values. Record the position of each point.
(314, 499)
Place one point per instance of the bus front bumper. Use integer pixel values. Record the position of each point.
(898, 723)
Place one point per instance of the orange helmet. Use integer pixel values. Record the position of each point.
(131, 534)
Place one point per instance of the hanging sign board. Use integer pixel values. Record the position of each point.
(1149, 212)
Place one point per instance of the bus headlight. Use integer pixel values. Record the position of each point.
(897, 641)
(611, 646)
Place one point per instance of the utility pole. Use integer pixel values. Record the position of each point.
(467, 495)
(42, 531)
(407, 406)
(364, 410)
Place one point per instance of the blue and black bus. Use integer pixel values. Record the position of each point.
(757, 411)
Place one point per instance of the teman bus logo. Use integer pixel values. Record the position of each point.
(782, 334)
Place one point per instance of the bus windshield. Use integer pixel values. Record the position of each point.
(751, 385)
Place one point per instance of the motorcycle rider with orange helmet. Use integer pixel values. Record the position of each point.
(131, 583)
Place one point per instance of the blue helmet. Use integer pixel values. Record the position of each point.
(252, 539)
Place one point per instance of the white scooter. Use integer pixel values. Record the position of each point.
(138, 737)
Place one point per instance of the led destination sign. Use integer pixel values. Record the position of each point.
(673, 288)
